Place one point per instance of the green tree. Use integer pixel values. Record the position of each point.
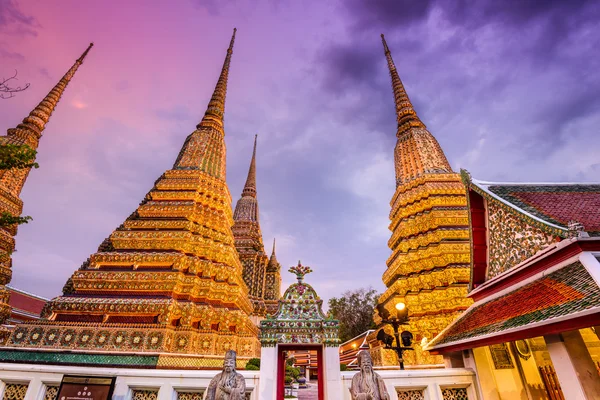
(354, 310)
(17, 157)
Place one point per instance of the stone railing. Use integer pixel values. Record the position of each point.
(424, 384)
(40, 382)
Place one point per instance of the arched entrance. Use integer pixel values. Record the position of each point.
(299, 324)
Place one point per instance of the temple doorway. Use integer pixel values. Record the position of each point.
(300, 329)
(308, 359)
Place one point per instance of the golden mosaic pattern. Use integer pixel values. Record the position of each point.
(190, 395)
(511, 239)
(455, 394)
(429, 268)
(14, 391)
(169, 279)
(137, 394)
(51, 393)
(27, 133)
(410, 394)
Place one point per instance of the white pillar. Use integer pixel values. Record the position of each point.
(121, 391)
(267, 384)
(332, 376)
(565, 370)
(33, 389)
(165, 392)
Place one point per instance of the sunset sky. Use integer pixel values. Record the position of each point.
(510, 89)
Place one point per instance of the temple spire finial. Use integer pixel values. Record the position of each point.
(216, 106)
(273, 252)
(37, 119)
(250, 186)
(405, 112)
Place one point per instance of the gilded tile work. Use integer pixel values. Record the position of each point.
(455, 394)
(273, 283)
(300, 317)
(410, 394)
(429, 268)
(511, 240)
(14, 391)
(51, 392)
(138, 394)
(168, 280)
(27, 133)
(190, 395)
(249, 242)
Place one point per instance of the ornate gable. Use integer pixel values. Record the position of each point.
(299, 318)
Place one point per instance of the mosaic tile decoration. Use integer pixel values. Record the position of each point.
(561, 293)
(14, 391)
(78, 358)
(190, 395)
(410, 394)
(511, 239)
(556, 204)
(51, 392)
(455, 394)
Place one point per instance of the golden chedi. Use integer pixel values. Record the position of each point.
(428, 269)
(167, 284)
(27, 133)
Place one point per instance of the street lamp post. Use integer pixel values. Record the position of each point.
(405, 337)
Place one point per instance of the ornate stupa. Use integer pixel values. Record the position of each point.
(273, 283)
(27, 133)
(167, 284)
(249, 241)
(428, 269)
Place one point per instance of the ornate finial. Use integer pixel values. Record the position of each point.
(36, 121)
(250, 186)
(300, 270)
(576, 229)
(216, 107)
(85, 53)
(406, 114)
(273, 252)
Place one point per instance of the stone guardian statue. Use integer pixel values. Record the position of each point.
(227, 385)
(367, 384)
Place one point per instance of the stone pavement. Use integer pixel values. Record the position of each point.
(311, 393)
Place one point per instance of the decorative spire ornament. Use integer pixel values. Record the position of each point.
(28, 133)
(179, 274)
(204, 149)
(417, 152)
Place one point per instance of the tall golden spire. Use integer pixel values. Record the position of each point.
(27, 133)
(168, 280)
(417, 152)
(216, 106)
(405, 112)
(273, 263)
(37, 119)
(250, 186)
(204, 149)
(248, 239)
(428, 269)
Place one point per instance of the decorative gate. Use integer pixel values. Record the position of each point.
(299, 324)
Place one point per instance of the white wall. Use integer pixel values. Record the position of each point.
(431, 381)
(166, 381)
(169, 381)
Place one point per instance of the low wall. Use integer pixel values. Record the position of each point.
(426, 384)
(38, 381)
(149, 383)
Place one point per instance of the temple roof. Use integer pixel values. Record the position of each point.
(552, 204)
(564, 294)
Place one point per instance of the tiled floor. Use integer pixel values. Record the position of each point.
(311, 393)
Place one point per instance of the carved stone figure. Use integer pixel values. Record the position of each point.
(227, 385)
(367, 384)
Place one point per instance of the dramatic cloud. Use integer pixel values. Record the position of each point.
(510, 89)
